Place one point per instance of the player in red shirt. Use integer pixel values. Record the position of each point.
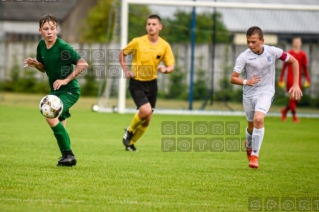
(301, 56)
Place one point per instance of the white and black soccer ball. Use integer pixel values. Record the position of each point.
(51, 106)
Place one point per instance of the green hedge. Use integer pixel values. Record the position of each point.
(177, 88)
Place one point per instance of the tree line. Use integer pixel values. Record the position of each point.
(176, 30)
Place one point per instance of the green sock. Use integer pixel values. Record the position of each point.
(68, 138)
(62, 137)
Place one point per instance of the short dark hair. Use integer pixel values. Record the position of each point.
(255, 30)
(155, 17)
(47, 18)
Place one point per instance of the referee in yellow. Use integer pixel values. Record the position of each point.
(148, 52)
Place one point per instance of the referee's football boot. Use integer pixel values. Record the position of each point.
(131, 148)
(127, 137)
(67, 159)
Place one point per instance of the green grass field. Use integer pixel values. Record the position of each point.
(107, 178)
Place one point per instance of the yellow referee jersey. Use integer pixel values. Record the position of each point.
(147, 57)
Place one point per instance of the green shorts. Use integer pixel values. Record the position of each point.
(68, 99)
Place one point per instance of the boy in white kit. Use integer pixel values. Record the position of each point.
(258, 63)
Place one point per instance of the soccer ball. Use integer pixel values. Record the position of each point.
(51, 106)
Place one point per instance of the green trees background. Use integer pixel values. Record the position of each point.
(176, 29)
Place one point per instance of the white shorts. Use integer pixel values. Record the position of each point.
(260, 103)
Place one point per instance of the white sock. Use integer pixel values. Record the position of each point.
(257, 139)
(248, 138)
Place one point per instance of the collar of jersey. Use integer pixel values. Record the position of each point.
(260, 53)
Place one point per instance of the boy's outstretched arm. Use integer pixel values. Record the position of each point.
(31, 62)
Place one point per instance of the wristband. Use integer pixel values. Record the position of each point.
(244, 82)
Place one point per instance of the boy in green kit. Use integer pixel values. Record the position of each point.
(56, 58)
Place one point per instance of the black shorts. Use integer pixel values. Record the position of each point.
(143, 92)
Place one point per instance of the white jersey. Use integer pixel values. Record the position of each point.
(262, 65)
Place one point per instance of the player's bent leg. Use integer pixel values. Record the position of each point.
(140, 130)
(136, 129)
(145, 101)
(141, 101)
(248, 104)
(257, 138)
(63, 140)
(129, 131)
(145, 113)
(248, 140)
(262, 106)
(248, 150)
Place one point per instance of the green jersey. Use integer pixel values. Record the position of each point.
(58, 63)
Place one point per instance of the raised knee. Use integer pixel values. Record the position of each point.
(145, 114)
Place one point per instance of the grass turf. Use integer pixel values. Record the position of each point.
(107, 178)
